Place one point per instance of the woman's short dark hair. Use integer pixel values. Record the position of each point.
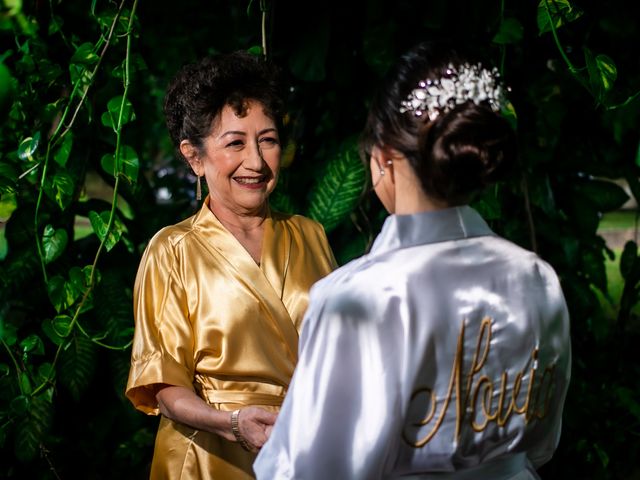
(199, 92)
(456, 155)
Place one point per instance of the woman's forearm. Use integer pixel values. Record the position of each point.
(183, 405)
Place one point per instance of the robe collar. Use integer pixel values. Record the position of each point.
(403, 231)
(265, 280)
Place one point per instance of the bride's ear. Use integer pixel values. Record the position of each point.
(385, 157)
(191, 154)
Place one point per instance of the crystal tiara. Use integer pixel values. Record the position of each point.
(457, 86)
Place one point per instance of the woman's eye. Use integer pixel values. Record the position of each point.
(235, 143)
(269, 141)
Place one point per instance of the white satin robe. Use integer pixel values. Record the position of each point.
(443, 351)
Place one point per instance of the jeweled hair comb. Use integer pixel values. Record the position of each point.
(457, 86)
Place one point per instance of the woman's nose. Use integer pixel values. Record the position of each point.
(254, 159)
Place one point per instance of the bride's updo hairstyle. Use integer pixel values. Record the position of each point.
(441, 111)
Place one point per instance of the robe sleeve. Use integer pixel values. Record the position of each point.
(344, 399)
(162, 351)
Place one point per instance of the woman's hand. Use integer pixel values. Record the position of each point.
(255, 425)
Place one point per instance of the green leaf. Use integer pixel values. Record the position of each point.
(28, 147)
(53, 243)
(8, 333)
(608, 71)
(560, 11)
(19, 405)
(32, 344)
(603, 194)
(602, 73)
(77, 365)
(62, 153)
(628, 259)
(255, 50)
(25, 383)
(128, 164)
(80, 74)
(60, 188)
(488, 205)
(338, 191)
(112, 117)
(510, 31)
(46, 372)
(84, 55)
(57, 329)
(61, 293)
(99, 223)
(33, 428)
(4, 370)
(62, 325)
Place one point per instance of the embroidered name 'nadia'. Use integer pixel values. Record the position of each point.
(477, 398)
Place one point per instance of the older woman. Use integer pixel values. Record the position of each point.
(219, 297)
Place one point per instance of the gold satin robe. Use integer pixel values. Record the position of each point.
(210, 319)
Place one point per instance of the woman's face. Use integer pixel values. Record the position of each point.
(240, 160)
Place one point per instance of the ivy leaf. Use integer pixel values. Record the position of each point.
(62, 153)
(560, 11)
(8, 333)
(32, 344)
(28, 147)
(58, 329)
(84, 55)
(510, 31)
(53, 243)
(25, 383)
(33, 428)
(338, 191)
(602, 73)
(77, 365)
(99, 222)
(60, 189)
(111, 118)
(45, 372)
(61, 293)
(80, 74)
(128, 164)
(4, 370)
(255, 50)
(628, 259)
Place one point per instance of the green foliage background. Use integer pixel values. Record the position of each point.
(81, 87)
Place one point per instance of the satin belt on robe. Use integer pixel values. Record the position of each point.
(444, 348)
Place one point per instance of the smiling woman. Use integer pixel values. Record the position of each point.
(219, 297)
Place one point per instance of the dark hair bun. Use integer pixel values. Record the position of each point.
(464, 151)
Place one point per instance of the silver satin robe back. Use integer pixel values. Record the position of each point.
(444, 351)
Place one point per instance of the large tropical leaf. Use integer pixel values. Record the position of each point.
(339, 189)
(77, 364)
(32, 428)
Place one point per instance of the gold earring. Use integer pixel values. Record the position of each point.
(198, 189)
